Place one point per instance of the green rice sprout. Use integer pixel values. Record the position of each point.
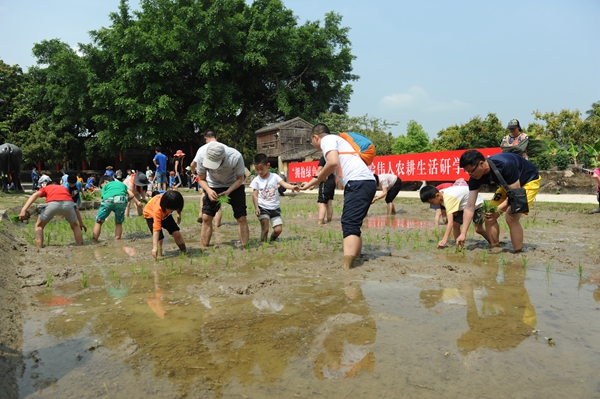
(524, 259)
(487, 207)
(580, 267)
(49, 279)
(84, 279)
(484, 256)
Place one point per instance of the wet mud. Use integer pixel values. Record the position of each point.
(284, 320)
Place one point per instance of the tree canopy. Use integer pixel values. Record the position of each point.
(174, 68)
(416, 140)
(477, 133)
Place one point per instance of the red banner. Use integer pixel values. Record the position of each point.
(428, 166)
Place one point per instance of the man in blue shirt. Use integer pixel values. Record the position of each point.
(160, 160)
(517, 172)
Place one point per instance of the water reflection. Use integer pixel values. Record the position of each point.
(208, 341)
(380, 221)
(499, 312)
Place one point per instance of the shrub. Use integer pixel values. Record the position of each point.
(542, 162)
(562, 160)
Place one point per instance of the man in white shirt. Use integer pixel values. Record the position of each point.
(358, 181)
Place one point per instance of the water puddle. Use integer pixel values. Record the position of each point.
(141, 332)
(381, 221)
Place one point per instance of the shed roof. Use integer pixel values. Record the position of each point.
(280, 125)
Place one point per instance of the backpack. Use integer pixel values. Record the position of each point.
(362, 146)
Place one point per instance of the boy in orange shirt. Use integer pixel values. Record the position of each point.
(158, 216)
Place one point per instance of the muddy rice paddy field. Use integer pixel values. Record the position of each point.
(283, 320)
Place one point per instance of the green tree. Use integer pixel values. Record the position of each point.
(12, 82)
(477, 133)
(415, 141)
(594, 112)
(55, 105)
(182, 66)
(376, 129)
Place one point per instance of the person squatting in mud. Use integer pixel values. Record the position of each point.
(158, 214)
(453, 201)
(517, 172)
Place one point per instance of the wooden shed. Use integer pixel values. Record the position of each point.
(284, 137)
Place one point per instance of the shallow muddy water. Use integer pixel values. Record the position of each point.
(283, 320)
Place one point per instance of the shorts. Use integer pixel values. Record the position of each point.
(358, 195)
(116, 204)
(237, 200)
(326, 191)
(161, 177)
(168, 224)
(274, 215)
(477, 217)
(48, 210)
(531, 188)
(393, 191)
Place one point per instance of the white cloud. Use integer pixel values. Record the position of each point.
(416, 98)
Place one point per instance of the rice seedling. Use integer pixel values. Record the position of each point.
(84, 279)
(548, 267)
(502, 260)
(580, 267)
(484, 256)
(524, 260)
(487, 207)
(49, 279)
(387, 239)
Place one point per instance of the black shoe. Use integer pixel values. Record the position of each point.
(597, 210)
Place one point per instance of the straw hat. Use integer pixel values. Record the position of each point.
(180, 153)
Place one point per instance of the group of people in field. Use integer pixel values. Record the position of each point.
(221, 171)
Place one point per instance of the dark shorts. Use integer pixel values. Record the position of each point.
(477, 217)
(326, 191)
(237, 200)
(358, 195)
(393, 191)
(274, 215)
(168, 224)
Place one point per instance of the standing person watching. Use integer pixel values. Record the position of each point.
(160, 160)
(325, 197)
(517, 172)
(35, 176)
(595, 174)
(359, 186)
(221, 172)
(516, 141)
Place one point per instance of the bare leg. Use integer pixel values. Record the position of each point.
(39, 233)
(77, 232)
(97, 231)
(218, 217)
(516, 230)
(118, 230)
(352, 250)
(264, 229)
(207, 230)
(322, 211)
(243, 230)
(179, 241)
(493, 231)
(276, 232)
(479, 229)
(329, 211)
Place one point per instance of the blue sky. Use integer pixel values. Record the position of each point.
(438, 62)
